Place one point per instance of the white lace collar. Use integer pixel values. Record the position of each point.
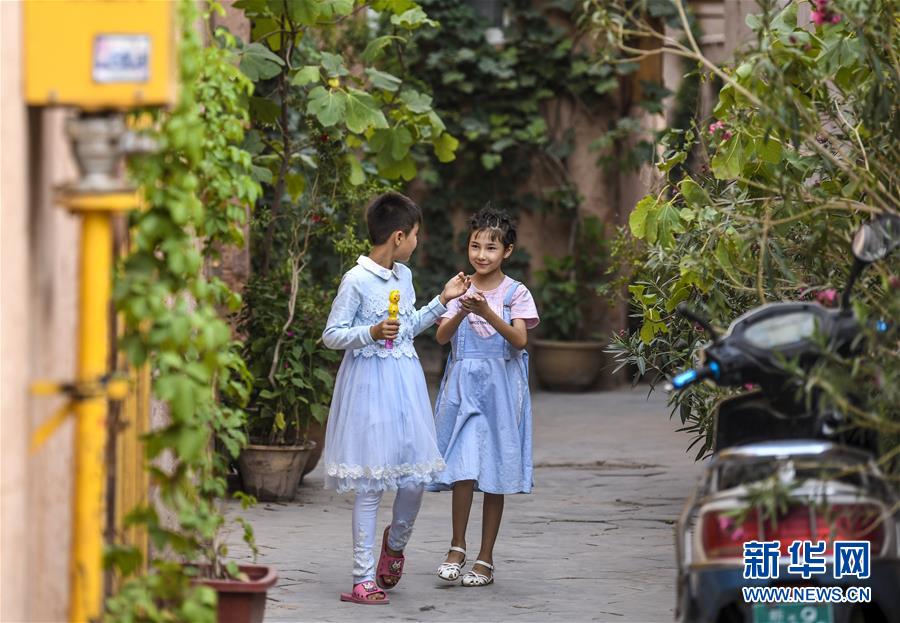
(377, 269)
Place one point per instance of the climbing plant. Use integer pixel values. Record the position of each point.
(197, 186)
(801, 149)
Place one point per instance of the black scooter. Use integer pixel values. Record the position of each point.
(835, 489)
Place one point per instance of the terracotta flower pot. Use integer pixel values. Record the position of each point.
(568, 366)
(271, 473)
(243, 602)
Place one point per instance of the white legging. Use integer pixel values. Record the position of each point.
(365, 515)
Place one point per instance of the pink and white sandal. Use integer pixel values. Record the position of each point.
(388, 566)
(364, 593)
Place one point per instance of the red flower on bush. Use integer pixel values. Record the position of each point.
(822, 15)
(827, 297)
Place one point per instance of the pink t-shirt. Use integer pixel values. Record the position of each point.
(521, 306)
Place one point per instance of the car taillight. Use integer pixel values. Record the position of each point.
(722, 536)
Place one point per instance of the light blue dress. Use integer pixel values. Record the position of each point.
(380, 431)
(483, 412)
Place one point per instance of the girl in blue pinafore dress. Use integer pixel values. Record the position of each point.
(483, 409)
(380, 432)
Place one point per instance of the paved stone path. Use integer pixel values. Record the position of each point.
(594, 542)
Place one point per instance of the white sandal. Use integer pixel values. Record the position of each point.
(473, 578)
(449, 571)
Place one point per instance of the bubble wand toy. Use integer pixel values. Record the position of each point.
(393, 312)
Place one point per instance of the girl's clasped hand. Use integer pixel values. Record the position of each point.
(389, 329)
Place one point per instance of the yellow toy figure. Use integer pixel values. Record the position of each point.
(393, 312)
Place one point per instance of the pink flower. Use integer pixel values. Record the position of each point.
(827, 297)
(894, 281)
(290, 334)
(835, 19)
(818, 17)
(822, 5)
(715, 127)
(726, 135)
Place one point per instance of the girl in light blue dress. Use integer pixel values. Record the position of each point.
(483, 409)
(380, 432)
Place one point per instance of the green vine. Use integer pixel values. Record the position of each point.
(197, 187)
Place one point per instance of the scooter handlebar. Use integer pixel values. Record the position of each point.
(689, 377)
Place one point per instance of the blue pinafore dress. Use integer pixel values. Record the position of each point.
(483, 412)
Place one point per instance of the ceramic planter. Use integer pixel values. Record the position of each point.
(272, 473)
(568, 366)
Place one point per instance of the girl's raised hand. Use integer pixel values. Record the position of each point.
(456, 287)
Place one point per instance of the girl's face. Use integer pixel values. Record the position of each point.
(406, 243)
(486, 255)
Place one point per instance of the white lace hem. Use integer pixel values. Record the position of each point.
(380, 477)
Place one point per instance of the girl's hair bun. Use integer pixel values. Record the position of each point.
(496, 222)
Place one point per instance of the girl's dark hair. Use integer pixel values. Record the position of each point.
(390, 212)
(496, 222)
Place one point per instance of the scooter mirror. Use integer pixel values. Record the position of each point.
(876, 239)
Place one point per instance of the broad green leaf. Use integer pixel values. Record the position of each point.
(436, 122)
(445, 147)
(694, 194)
(264, 110)
(280, 424)
(728, 162)
(491, 161)
(402, 141)
(375, 48)
(394, 6)
(637, 220)
(723, 256)
(296, 184)
(357, 175)
(383, 80)
(666, 165)
(259, 63)
(412, 19)
(333, 64)
(324, 376)
(363, 112)
(327, 105)
(396, 169)
(305, 12)
(668, 223)
(305, 75)
(331, 9)
(319, 412)
(680, 293)
(769, 150)
(417, 102)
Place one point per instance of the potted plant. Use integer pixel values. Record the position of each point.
(241, 588)
(293, 376)
(567, 356)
